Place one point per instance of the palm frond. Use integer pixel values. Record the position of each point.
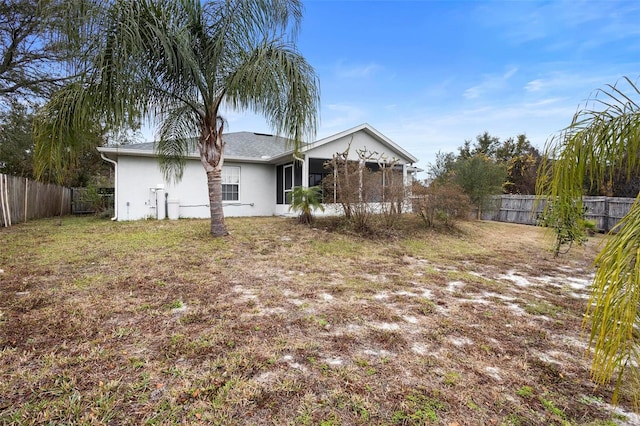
(284, 89)
(63, 130)
(614, 306)
(178, 136)
(599, 142)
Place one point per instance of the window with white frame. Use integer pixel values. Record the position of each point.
(230, 183)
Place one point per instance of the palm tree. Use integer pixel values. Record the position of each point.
(179, 62)
(602, 140)
(305, 201)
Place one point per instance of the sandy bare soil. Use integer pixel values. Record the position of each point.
(157, 323)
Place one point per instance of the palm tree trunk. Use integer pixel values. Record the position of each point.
(214, 182)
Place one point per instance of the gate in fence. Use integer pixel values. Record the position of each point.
(91, 200)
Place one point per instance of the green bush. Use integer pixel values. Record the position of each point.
(443, 203)
(305, 201)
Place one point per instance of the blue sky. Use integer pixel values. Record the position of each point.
(432, 74)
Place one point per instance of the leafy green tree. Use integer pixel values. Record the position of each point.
(602, 137)
(616, 182)
(440, 171)
(489, 167)
(40, 42)
(485, 144)
(39, 45)
(465, 151)
(522, 161)
(305, 201)
(480, 177)
(179, 62)
(17, 148)
(16, 141)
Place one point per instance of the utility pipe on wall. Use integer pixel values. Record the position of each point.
(160, 210)
(115, 185)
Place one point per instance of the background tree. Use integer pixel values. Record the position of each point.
(40, 51)
(522, 161)
(479, 177)
(39, 46)
(486, 144)
(440, 171)
(16, 140)
(603, 137)
(17, 149)
(517, 156)
(178, 62)
(616, 182)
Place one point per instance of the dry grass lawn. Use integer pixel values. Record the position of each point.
(157, 323)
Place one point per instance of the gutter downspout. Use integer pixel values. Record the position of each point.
(115, 185)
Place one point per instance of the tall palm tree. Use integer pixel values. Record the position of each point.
(604, 139)
(180, 62)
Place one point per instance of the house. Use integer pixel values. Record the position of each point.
(258, 174)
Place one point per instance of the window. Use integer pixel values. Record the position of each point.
(230, 183)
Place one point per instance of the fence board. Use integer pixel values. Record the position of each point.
(25, 199)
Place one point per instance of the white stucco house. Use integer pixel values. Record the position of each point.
(259, 171)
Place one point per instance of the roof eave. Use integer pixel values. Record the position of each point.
(111, 151)
(368, 128)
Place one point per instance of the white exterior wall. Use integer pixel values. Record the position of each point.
(138, 178)
(359, 140)
(257, 190)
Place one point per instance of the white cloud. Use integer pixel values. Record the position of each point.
(555, 23)
(357, 71)
(534, 85)
(473, 92)
(562, 83)
(490, 83)
(510, 73)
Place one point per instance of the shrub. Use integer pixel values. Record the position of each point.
(305, 201)
(568, 222)
(443, 203)
(368, 186)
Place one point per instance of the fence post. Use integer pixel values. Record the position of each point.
(26, 197)
(2, 207)
(4, 197)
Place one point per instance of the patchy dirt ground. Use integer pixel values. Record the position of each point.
(156, 323)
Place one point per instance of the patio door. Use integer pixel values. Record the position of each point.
(288, 176)
(287, 180)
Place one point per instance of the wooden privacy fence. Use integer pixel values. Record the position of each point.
(606, 212)
(23, 199)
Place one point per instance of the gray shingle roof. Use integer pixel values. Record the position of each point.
(254, 145)
(250, 145)
(258, 147)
